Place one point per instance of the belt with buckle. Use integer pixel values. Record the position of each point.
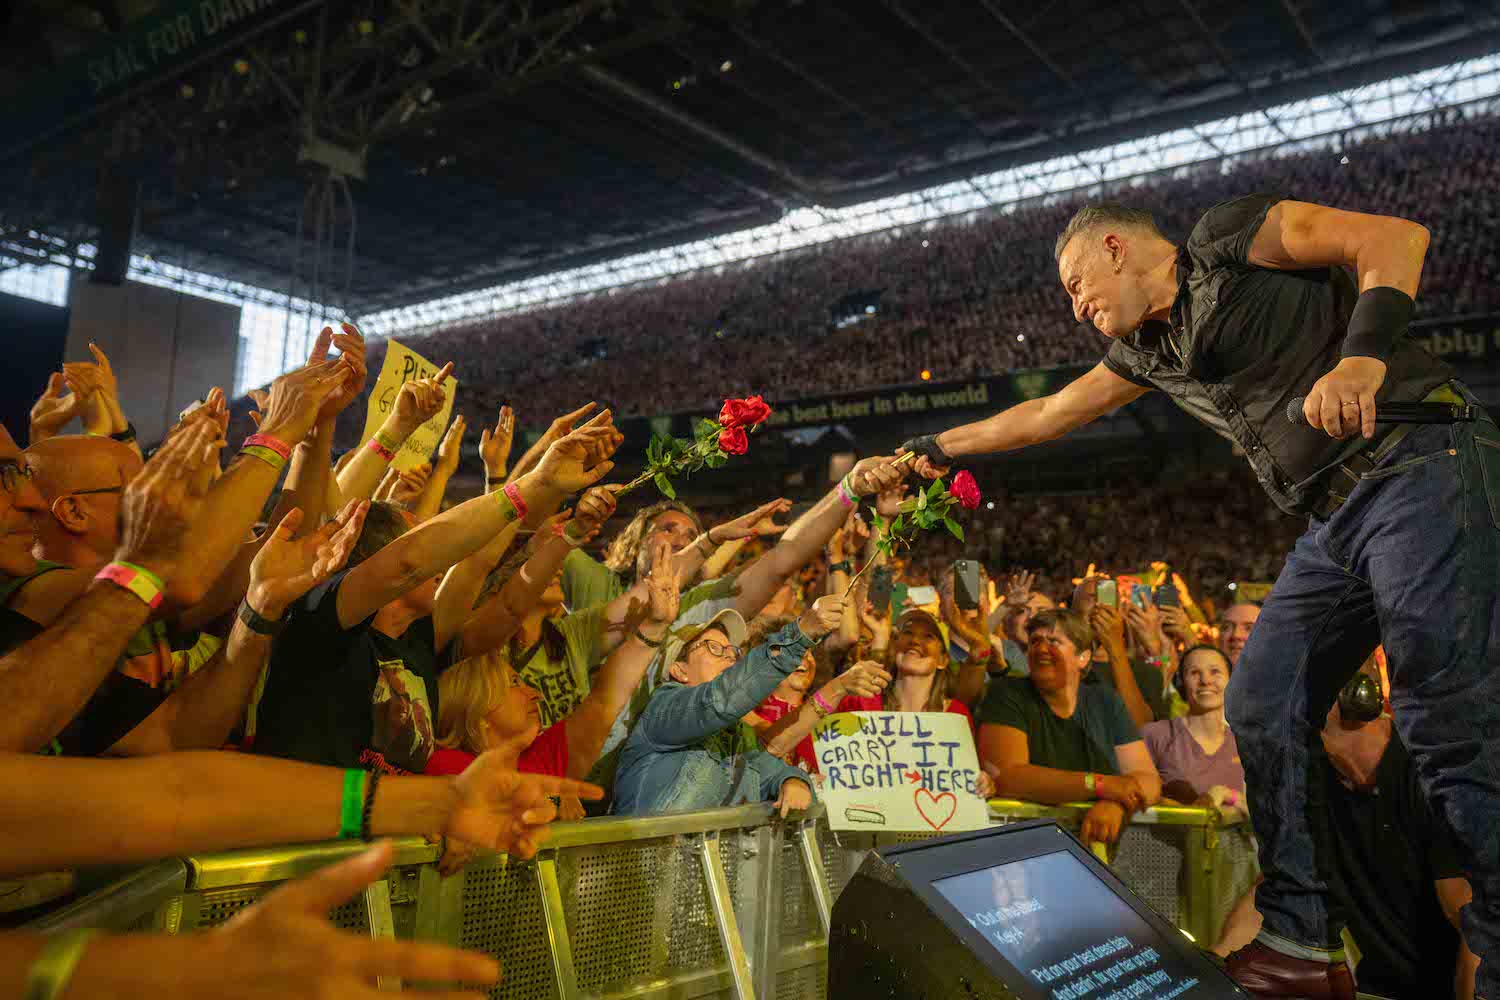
(1348, 473)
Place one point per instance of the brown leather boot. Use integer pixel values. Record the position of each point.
(1264, 972)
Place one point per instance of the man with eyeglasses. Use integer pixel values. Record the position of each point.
(690, 748)
(1050, 738)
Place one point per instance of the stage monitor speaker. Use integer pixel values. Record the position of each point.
(1019, 912)
(116, 207)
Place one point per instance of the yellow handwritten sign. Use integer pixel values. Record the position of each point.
(402, 364)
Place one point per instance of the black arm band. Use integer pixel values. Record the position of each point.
(1379, 319)
(928, 445)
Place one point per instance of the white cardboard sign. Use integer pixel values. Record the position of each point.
(901, 772)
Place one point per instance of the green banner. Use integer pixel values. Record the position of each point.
(169, 40)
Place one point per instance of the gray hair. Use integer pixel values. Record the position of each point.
(1105, 213)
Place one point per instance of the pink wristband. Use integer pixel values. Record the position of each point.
(513, 494)
(843, 495)
(1232, 798)
(139, 581)
(381, 450)
(267, 441)
(818, 697)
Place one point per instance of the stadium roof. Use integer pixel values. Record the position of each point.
(490, 142)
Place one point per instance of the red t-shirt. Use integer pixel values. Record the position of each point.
(548, 754)
(772, 710)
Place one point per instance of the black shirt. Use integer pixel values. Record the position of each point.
(1390, 849)
(1148, 678)
(350, 697)
(1244, 340)
(1085, 741)
(117, 706)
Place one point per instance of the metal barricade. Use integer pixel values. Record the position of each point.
(721, 903)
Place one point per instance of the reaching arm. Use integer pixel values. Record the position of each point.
(455, 534)
(682, 716)
(560, 428)
(454, 607)
(450, 450)
(418, 402)
(1086, 398)
(806, 537)
(863, 680)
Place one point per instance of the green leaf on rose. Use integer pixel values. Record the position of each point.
(665, 485)
(936, 489)
(953, 528)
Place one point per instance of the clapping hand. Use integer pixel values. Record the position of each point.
(287, 567)
(52, 410)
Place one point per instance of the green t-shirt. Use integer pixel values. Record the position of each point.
(563, 682)
(1086, 741)
(588, 583)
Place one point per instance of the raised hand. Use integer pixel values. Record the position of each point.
(351, 346)
(1018, 588)
(287, 567)
(1177, 625)
(865, 679)
(420, 400)
(596, 506)
(888, 502)
(758, 523)
(160, 505)
(1145, 625)
(494, 446)
(505, 810)
(52, 410)
(875, 475)
(284, 946)
(796, 795)
(823, 617)
(1108, 626)
(297, 398)
(565, 467)
(563, 425)
(409, 485)
(879, 624)
(262, 400)
(450, 449)
(661, 585)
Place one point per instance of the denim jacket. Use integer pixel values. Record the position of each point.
(685, 752)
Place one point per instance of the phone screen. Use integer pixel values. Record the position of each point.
(1108, 593)
(966, 584)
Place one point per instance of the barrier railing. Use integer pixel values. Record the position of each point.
(720, 903)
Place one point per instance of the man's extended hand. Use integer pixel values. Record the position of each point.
(297, 398)
(932, 461)
(419, 401)
(1342, 402)
(875, 475)
(287, 567)
(505, 810)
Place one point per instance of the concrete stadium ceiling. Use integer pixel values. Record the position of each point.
(489, 141)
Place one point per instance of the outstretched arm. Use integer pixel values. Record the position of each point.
(1086, 398)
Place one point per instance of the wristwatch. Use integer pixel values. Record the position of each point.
(1091, 784)
(841, 567)
(258, 624)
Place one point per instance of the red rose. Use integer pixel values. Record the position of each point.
(734, 441)
(965, 490)
(744, 412)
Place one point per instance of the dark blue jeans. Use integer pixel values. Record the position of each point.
(1411, 560)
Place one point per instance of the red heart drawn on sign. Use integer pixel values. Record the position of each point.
(934, 810)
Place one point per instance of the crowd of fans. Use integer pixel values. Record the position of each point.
(286, 648)
(957, 298)
(283, 648)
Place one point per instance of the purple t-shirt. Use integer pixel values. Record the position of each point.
(1186, 771)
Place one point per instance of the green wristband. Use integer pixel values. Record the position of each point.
(49, 975)
(351, 814)
(144, 572)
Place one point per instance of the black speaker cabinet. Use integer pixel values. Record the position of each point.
(1020, 912)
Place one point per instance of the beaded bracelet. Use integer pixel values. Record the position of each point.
(369, 809)
(139, 580)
